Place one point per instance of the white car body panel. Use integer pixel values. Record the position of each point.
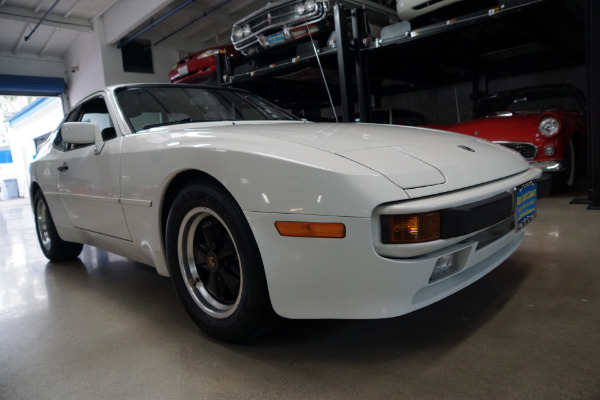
(296, 171)
(90, 190)
(409, 9)
(327, 278)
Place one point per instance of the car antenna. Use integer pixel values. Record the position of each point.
(322, 72)
(456, 103)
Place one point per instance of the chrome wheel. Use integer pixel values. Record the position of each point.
(209, 262)
(42, 224)
(215, 263)
(53, 247)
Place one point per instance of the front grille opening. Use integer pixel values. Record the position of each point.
(527, 150)
(493, 233)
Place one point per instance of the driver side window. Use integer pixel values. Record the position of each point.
(94, 111)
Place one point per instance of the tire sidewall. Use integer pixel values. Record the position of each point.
(244, 319)
(49, 223)
(59, 250)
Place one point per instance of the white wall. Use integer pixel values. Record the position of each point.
(163, 59)
(124, 14)
(83, 61)
(92, 64)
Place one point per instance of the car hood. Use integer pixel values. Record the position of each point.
(416, 157)
(409, 157)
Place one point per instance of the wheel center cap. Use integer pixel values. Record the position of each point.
(212, 261)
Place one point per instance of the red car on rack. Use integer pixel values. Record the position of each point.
(200, 66)
(546, 124)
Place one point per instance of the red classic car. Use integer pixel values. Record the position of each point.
(546, 124)
(199, 66)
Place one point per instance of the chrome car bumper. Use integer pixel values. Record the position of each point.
(276, 24)
(549, 166)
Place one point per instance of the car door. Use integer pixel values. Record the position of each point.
(88, 183)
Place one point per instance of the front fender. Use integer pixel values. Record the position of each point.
(262, 175)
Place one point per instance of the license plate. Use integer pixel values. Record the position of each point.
(525, 204)
(183, 70)
(276, 38)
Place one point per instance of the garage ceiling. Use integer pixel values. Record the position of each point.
(54, 37)
(66, 19)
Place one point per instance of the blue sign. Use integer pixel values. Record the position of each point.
(525, 204)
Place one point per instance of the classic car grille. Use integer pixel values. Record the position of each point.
(527, 150)
(274, 17)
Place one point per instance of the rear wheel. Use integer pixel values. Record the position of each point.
(215, 264)
(54, 248)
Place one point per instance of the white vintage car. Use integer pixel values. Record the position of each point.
(409, 9)
(254, 213)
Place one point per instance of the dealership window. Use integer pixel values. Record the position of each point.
(137, 57)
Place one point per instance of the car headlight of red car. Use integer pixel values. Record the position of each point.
(549, 126)
(209, 53)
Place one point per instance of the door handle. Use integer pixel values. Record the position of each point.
(63, 167)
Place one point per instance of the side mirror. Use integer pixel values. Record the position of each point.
(82, 133)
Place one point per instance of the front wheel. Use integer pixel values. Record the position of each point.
(215, 264)
(53, 247)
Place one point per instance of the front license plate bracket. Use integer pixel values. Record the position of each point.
(525, 204)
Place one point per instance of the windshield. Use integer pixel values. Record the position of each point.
(147, 107)
(541, 99)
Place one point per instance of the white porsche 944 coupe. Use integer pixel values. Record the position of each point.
(254, 213)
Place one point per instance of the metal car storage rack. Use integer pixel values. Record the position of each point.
(359, 63)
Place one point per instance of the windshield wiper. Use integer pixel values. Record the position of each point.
(181, 121)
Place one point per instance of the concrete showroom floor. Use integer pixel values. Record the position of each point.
(104, 327)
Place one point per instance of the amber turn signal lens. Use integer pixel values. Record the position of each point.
(415, 227)
(311, 229)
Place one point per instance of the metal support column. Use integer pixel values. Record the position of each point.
(359, 30)
(592, 16)
(343, 51)
(223, 67)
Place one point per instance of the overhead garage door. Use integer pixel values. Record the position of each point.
(31, 85)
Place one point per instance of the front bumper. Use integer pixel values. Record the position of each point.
(196, 70)
(350, 279)
(545, 181)
(549, 166)
(346, 278)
